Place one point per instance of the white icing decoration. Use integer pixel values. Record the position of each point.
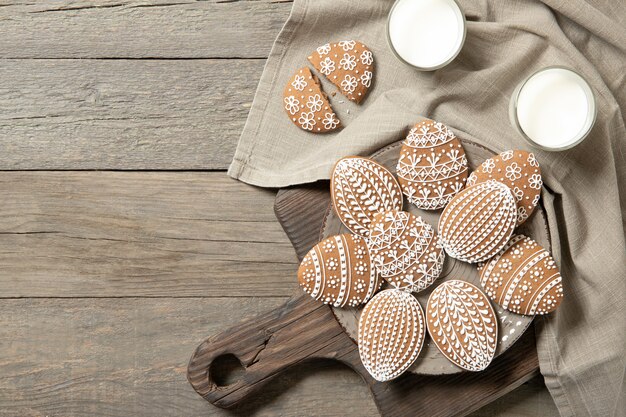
(405, 250)
(391, 334)
(327, 66)
(347, 45)
(360, 188)
(366, 57)
(292, 105)
(330, 121)
(307, 120)
(431, 167)
(328, 273)
(324, 49)
(478, 222)
(462, 324)
(525, 289)
(299, 83)
(366, 78)
(349, 83)
(348, 62)
(314, 103)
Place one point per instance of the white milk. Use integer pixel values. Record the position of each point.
(555, 108)
(426, 33)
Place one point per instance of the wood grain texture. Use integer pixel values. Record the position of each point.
(122, 357)
(123, 114)
(107, 234)
(140, 29)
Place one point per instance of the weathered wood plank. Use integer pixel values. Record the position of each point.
(99, 234)
(140, 29)
(123, 114)
(128, 357)
(121, 357)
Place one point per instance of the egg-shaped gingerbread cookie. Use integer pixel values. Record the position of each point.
(307, 105)
(405, 250)
(520, 171)
(523, 278)
(391, 334)
(348, 64)
(432, 167)
(338, 271)
(360, 188)
(462, 324)
(478, 222)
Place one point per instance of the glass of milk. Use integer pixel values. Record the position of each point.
(426, 34)
(554, 109)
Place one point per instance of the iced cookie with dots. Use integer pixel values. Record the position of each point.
(432, 167)
(523, 278)
(360, 188)
(462, 324)
(349, 65)
(307, 105)
(478, 222)
(405, 250)
(338, 271)
(391, 334)
(520, 171)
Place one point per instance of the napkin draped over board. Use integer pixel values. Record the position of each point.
(582, 346)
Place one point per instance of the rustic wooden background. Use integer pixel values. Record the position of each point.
(123, 244)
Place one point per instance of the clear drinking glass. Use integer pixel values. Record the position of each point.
(553, 109)
(427, 41)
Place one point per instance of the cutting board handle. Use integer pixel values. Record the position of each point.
(300, 330)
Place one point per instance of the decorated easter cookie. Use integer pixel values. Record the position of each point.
(391, 334)
(349, 65)
(338, 271)
(462, 324)
(520, 171)
(307, 105)
(478, 222)
(361, 188)
(523, 278)
(432, 167)
(405, 250)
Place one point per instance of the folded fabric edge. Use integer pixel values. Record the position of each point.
(247, 139)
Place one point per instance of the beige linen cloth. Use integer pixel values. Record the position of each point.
(582, 347)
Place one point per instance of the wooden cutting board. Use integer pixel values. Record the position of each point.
(305, 330)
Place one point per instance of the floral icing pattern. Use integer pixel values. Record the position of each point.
(306, 105)
(520, 171)
(348, 64)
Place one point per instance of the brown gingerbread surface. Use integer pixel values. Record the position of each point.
(349, 65)
(391, 334)
(520, 171)
(462, 324)
(361, 188)
(338, 271)
(307, 105)
(478, 222)
(523, 278)
(405, 250)
(432, 167)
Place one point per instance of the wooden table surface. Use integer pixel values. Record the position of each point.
(123, 243)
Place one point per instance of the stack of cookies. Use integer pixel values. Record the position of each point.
(479, 215)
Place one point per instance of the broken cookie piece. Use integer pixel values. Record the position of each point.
(349, 65)
(307, 105)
